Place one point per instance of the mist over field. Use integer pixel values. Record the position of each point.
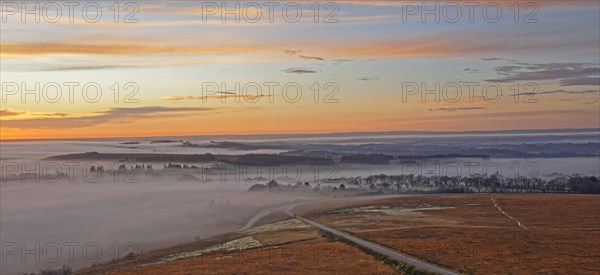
(393, 137)
(129, 211)
(149, 214)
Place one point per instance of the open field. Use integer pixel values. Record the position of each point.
(277, 245)
(344, 137)
(295, 258)
(518, 234)
(471, 234)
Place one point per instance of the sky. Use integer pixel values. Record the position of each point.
(169, 68)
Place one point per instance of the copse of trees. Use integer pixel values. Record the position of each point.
(306, 188)
(121, 167)
(473, 184)
(585, 185)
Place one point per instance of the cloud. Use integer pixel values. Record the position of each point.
(415, 45)
(33, 49)
(13, 113)
(459, 109)
(113, 115)
(312, 57)
(182, 98)
(224, 95)
(291, 52)
(397, 3)
(592, 102)
(340, 61)
(561, 92)
(54, 114)
(492, 59)
(499, 59)
(429, 45)
(299, 71)
(469, 70)
(368, 78)
(86, 68)
(569, 74)
(585, 81)
(9, 113)
(295, 52)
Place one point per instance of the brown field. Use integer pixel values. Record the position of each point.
(301, 250)
(309, 257)
(469, 234)
(558, 234)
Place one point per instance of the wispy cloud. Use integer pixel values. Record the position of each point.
(86, 68)
(568, 74)
(223, 96)
(10, 113)
(458, 109)
(562, 92)
(581, 81)
(591, 102)
(32, 49)
(492, 58)
(291, 52)
(312, 57)
(340, 61)
(4, 113)
(499, 59)
(299, 71)
(297, 52)
(415, 45)
(113, 115)
(368, 78)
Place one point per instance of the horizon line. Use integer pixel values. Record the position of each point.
(330, 134)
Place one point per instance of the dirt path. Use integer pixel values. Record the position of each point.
(504, 213)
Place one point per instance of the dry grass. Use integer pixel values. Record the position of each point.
(282, 225)
(311, 257)
(467, 233)
(284, 247)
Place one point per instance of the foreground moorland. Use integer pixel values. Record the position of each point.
(283, 245)
(471, 234)
(480, 234)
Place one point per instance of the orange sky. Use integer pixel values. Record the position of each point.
(152, 74)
